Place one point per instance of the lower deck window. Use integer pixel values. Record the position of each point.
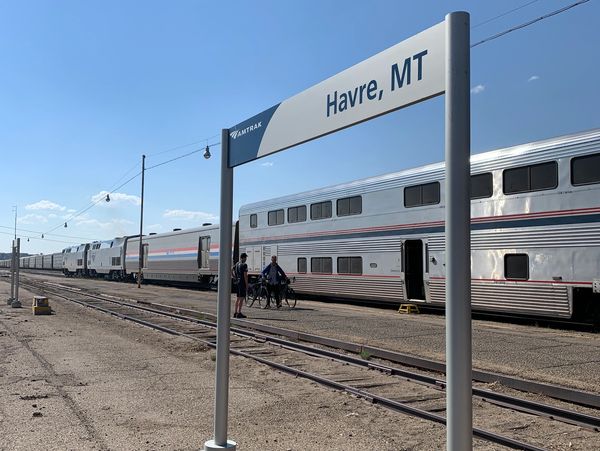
(321, 265)
(302, 265)
(349, 265)
(516, 266)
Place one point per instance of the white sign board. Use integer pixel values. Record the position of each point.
(407, 73)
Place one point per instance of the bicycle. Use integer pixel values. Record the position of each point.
(288, 294)
(257, 292)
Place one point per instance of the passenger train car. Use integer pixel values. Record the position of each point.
(535, 240)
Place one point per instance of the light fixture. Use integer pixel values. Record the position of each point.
(42, 236)
(65, 225)
(107, 198)
(28, 240)
(206, 153)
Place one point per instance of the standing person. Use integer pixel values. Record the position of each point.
(240, 270)
(274, 275)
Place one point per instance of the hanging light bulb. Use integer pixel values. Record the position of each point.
(206, 153)
(42, 236)
(28, 240)
(65, 225)
(107, 198)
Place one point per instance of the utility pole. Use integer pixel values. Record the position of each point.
(141, 259)
(14, 262)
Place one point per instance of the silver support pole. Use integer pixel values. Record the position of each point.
(17, 254)
(458, 234)
(224, 304)
(12, 274)
(141, 249)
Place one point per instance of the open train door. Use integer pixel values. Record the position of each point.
(414, 269)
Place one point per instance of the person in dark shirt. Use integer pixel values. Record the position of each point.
(274, 275)
(241, 274)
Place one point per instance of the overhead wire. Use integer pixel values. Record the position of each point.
(503, 14)
(526, 24)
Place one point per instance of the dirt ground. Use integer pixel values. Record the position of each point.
(79, 380)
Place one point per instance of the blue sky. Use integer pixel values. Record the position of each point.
(87, 87)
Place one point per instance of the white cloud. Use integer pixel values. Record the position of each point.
(45, 205)
(116, 198)
(534, 78)
(477, 89)
(189, 215)
(32, 219)
(267, 164)
(52, 216)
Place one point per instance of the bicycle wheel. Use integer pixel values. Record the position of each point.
(262, 296)
(250, 296)
(290, 297)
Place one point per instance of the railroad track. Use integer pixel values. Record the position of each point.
(399, 389)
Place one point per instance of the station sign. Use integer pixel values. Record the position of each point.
(407, 73)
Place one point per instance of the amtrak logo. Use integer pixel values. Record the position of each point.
(237, 133)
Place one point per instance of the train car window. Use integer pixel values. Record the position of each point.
(585, 170)
(320, 210)
(349, 265)
(322, 265)
(349, 206)
(253, 221)
(516, 266)
(426, 194)
(297, 214)
(537, 177)
(276, 217)
(302, 265)
(481, 185)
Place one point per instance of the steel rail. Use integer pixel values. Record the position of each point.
(507, 401)
(385, 402)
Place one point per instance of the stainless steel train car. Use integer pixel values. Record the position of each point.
(47, 261)
(57, 261)
(75, 261)
(107, 258)
(535, 239)
(189, 255)
(39, 261)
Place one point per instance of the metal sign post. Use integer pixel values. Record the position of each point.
(224, 304)
(16, 302)
(459, 430)
(12, 275)
(421, 67)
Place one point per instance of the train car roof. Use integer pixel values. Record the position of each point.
(480, 162)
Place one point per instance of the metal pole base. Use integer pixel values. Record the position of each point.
(211, 445)
(16, 303)
(9, 301)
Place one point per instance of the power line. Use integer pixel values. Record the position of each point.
(37, 232)
(205, 140)
(503, 14)
(526, 24)
(180, 156)
(38, 238)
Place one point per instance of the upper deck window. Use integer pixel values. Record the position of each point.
(481, 185)
(320, 210)
(297, 214)
(349, 206)
(253, 221)
(536, 177)
(276, 217)
(426, 194)
(585, 170)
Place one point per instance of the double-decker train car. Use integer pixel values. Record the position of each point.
(190, 255)
(535, 240)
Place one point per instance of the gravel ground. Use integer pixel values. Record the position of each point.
(82, 380)
(567, 358)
